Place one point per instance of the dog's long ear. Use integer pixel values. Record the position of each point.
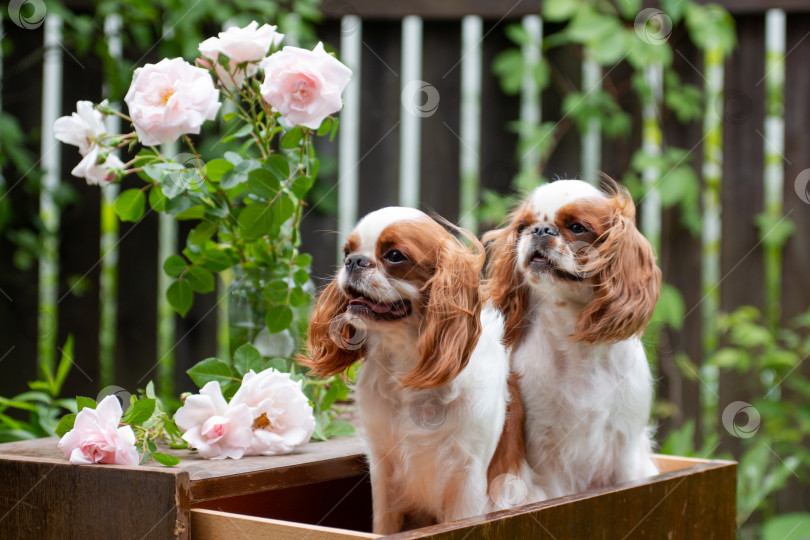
(505, 286)
(626, 280)
(452, 322)
(334, 342)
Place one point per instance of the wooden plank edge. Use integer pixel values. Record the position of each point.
(214, 524)
(451, 526)
(207, 489)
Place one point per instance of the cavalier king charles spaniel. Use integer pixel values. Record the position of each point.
(434, 388)
(577, 284)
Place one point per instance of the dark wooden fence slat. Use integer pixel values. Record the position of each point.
(440, 144)
(379, 116)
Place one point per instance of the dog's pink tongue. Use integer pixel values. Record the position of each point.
(376, 308)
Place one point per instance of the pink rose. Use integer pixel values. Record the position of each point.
(97, 438)
(282, 415)
(170, 98)
(304, 86)
(214, 428)
(241, 45)
(85, 128)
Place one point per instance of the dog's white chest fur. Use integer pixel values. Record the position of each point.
(587, 408)
(432, 447)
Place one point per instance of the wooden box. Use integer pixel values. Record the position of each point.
(323, 492)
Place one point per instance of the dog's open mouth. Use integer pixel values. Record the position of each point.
(540, 262)
(362, 304)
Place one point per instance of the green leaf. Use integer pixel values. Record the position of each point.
(282, 211)
(216, 168)
(278, 318)
(559, 10)
(130, 205)
(303, 260)
(165, 459)
(276, 290)
(244, 357)
(277, 164)
(200, 279)
(518, 34)
(65, 424)
(292, 138)
(794, 526)
(202, 233)
(85, 402)
(233, 157)
(339, 428)
(62, 370)
(239, 174)
(210, 369)
(263, 183)
(301, 276)
(509, 67)
(326, 125)
(174, 265)
(215, 260)
(139, 412)
(157, 200)
(150, 390)
(180, 296)
(670, 308)
(256, 220)
(299, 297)
(301, 186)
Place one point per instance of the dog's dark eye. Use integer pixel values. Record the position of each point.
(521, 228)
(395, 256)
(577, 228)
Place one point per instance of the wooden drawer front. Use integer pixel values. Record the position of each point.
(215, 525)
(692, 499)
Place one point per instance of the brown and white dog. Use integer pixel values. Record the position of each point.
(433, 391)
(577, 284)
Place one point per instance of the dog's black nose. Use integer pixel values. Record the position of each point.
(545, 230)
(354, 262)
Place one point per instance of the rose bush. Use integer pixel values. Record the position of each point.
(248, 201)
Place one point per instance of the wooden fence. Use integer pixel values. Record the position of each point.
(439, 159)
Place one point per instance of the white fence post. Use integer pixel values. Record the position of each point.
(410, 150)
(470, 121)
